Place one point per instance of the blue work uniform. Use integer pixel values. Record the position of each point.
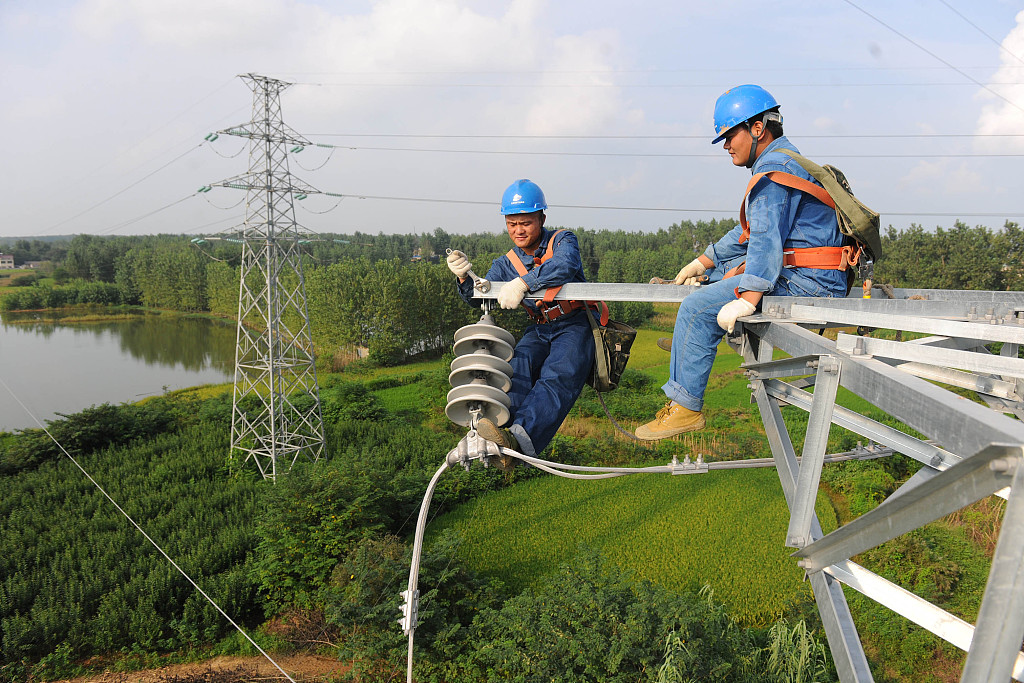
(551, 362)
(780, 218)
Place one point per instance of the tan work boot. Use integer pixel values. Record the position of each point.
(503, 437)
(665, 343)
(670, 420)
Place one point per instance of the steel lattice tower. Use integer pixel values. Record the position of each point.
(275, 413)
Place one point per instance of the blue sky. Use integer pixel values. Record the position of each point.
(603, 104)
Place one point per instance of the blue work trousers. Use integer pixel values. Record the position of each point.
(697, 334)
(549, 368)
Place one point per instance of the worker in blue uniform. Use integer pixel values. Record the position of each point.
(787, 244)
(552, 360)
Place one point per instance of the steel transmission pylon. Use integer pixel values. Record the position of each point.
(275, 412)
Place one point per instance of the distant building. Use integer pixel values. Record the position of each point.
(33, 264)
(6, 261)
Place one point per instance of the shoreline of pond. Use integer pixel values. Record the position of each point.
(89, 313)
(61, 361)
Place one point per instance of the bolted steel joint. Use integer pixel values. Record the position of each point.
(1003, 465)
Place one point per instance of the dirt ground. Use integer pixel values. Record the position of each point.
(302, 668)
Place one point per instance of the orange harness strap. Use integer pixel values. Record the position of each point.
(548, 309)
(789, 180)
(820, 258)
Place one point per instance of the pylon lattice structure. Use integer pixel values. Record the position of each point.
(966, 450)
(275, 414)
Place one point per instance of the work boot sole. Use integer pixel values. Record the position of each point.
(645, 433)
(665, 343)
(491, 432)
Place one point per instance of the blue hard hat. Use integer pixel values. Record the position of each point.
(740, 104)
(523, 196)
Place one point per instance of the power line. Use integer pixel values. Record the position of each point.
(653, 137)
(700, 70)
(122, 191)
(431, 200)
(980, 30)
(932, 54)
(150, 134)
(143, 531)
(132, 221)
(662, 86)
(695, 155)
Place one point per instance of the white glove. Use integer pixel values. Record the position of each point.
(690, 272)
(512, 293)
(732, 310)
(459, 264)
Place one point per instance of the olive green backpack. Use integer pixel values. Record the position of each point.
(856, 221)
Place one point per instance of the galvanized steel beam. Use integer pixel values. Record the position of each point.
(1000, 629)
(926, 453)
(931, 355)
(964, 483)
(815, 444)
(843, 639)
(958, 425)
(989, 331)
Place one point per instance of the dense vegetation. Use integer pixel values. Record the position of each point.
(319, 559)
(323, 554)
(321, 550)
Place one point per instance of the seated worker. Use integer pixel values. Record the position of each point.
(774, 219)
(552, 360)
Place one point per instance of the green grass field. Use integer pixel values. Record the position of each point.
(724, 529)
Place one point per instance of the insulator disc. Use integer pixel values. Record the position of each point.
(486, 342)
(471, 373)
(494, 404)
(487, 359)
(483, 328)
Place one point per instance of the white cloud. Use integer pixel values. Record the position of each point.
(999, 116)
(189, 23)
(625, 182)
(458, 67)
(823, 123)
(942, 178)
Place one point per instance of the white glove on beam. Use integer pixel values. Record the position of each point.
(512, 293)
(733, 310)
(690, 272)
(459, 264)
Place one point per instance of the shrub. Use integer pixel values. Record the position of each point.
(591, 622)
(632, 313)
(89, 430)
(350, 401)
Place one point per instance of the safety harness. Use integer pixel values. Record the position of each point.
(548, 310)
(820, 258)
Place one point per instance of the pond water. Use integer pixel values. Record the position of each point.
(53, 367)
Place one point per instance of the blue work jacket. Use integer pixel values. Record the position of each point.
(564, 266)
(780, 218)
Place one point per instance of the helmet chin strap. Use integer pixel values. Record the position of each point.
(752, 155)
(765, 118)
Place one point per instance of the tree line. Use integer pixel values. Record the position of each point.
(369, 290)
